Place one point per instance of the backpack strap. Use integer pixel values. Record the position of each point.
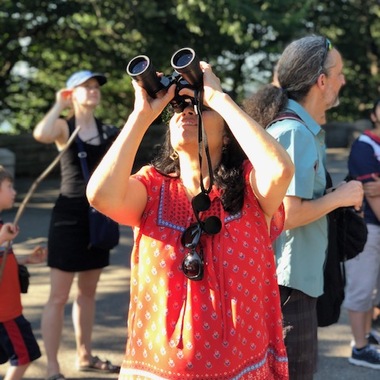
(71, 124)
(82, 154)
(105, 131)
(286, 115)
(289, 115)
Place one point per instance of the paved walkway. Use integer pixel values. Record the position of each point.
(113, 296)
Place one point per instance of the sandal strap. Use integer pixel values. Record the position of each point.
(57, 376)
(102, 365)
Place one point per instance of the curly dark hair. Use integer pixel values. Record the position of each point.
(228, 176)
(265, 104)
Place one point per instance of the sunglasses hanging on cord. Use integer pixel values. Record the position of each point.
(193, 263)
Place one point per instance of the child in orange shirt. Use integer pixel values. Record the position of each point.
(17, 342)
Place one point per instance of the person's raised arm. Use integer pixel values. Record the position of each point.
(272, 166)
(51, 128)
(110, 189)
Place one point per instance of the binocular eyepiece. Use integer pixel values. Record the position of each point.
(187, 74)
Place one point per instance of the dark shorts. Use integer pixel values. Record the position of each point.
(17, 342)
(299, 313)
(69, 238)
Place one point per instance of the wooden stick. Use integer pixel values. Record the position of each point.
(32, 190)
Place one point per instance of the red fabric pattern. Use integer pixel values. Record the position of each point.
(225, 326)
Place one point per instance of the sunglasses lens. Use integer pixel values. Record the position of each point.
(212, 225)
(328, 45)
(192, 266)
(190, 237)
(201, 202)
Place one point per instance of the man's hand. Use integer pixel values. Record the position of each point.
(350, 194)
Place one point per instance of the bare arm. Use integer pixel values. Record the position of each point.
(374, 203)
(113, 192)
(51, 128)
(372, 188)
(37, 256)
(272, 166)
(110, 189)
(372, 194)
(8, 232)
(300, 212)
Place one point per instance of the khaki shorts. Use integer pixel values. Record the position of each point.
(363, 275)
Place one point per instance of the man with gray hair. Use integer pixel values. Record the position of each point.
(308, 78)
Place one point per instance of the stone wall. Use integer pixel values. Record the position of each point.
(342, 134)
(8, 160)
(32, 157)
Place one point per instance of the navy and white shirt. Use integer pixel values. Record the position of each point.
(363, 162)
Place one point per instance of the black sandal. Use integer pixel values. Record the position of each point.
(98, 365)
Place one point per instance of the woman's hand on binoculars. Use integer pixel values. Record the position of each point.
(143, 102)
(211, 85)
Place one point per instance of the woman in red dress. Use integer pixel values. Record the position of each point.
(204, 301)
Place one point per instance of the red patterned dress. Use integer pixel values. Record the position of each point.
(226, 326)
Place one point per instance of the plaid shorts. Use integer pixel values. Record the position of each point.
(299, 312)
(17, 342)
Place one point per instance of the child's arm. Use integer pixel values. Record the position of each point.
(38, 256)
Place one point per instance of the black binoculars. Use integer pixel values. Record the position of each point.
(187, 74)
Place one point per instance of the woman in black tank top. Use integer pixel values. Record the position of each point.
(68, 243)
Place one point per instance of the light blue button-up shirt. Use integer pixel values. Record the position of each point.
(301, 252)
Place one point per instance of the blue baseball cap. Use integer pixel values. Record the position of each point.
(80, 77)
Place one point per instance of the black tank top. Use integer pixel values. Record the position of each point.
(72, 181)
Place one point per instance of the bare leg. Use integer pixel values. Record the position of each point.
(376, 312)
(368, 322)
(16, 373)
(359, 326)
(53, 316)
(84, 313)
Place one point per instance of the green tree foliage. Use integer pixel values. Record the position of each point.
(354, 28)
(43, 42)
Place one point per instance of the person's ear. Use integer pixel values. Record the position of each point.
(321, 81)
(373, 117)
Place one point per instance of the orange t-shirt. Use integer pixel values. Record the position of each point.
(10, 298)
